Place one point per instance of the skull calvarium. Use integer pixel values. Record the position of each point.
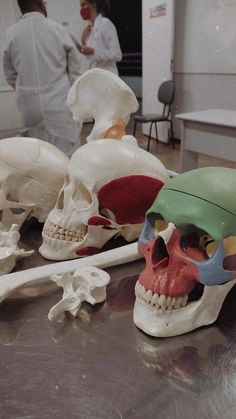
(189, 243)
(31, 175)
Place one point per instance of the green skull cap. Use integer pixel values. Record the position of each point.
(203, 197)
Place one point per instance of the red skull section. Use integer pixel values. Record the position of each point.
(169, 269)
(128, 198)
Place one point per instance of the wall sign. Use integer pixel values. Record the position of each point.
(158, 11)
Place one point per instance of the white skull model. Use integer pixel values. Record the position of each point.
(109, 187)
(189, 243)
(31, 174)
(103, 96)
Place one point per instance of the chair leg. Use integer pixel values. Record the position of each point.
(149, 136)
(135, 125)
(156, 132)
(172, 135)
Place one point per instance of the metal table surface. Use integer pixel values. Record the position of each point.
(100, 366)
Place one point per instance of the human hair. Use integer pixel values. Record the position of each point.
(103, 6)
(27, 6)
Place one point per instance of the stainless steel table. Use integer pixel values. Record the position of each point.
(100, 366)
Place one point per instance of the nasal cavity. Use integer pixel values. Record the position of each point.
(159, 252)
(60, 200)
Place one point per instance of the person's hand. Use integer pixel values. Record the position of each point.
(86, 50)
(85, 34)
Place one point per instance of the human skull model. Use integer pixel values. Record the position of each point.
(31, 174)
(109, 187)
(104, 97)
(189, 243)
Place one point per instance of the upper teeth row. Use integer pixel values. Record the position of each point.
(56, 232)
(162, 301)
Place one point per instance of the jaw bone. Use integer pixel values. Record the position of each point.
(33, 277)
(166, 323)
(104, 97)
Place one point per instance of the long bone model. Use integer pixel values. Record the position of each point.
(11, 282)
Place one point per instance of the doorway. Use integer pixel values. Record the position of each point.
(127, 17)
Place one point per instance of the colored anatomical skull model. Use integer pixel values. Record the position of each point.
(189, 245)
(109, 187)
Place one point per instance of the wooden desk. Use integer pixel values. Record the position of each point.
(211, 132)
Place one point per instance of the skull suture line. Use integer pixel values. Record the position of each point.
(31, 174)
(109, 187)
(189, 243)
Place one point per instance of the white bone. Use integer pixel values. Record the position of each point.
(9, 250)
(31, 174)
(167, 233)
(199, 313)
(12, 282)
(86, 284)
(103, 96)
(93, 166)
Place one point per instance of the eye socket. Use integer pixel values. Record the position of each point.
(160, 225)
(208, 245)
(82, 197)
(198, 246)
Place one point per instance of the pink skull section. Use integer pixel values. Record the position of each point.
(129, 197)
(169, 269)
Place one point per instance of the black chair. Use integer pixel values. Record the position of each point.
(165, 95)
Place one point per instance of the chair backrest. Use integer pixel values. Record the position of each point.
(166, 95)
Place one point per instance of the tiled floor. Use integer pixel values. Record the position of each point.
(165, 152)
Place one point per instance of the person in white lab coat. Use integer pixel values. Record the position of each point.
(41, 62)
(99, 40)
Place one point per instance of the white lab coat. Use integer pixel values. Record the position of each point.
(41, 62)
(104, 40)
